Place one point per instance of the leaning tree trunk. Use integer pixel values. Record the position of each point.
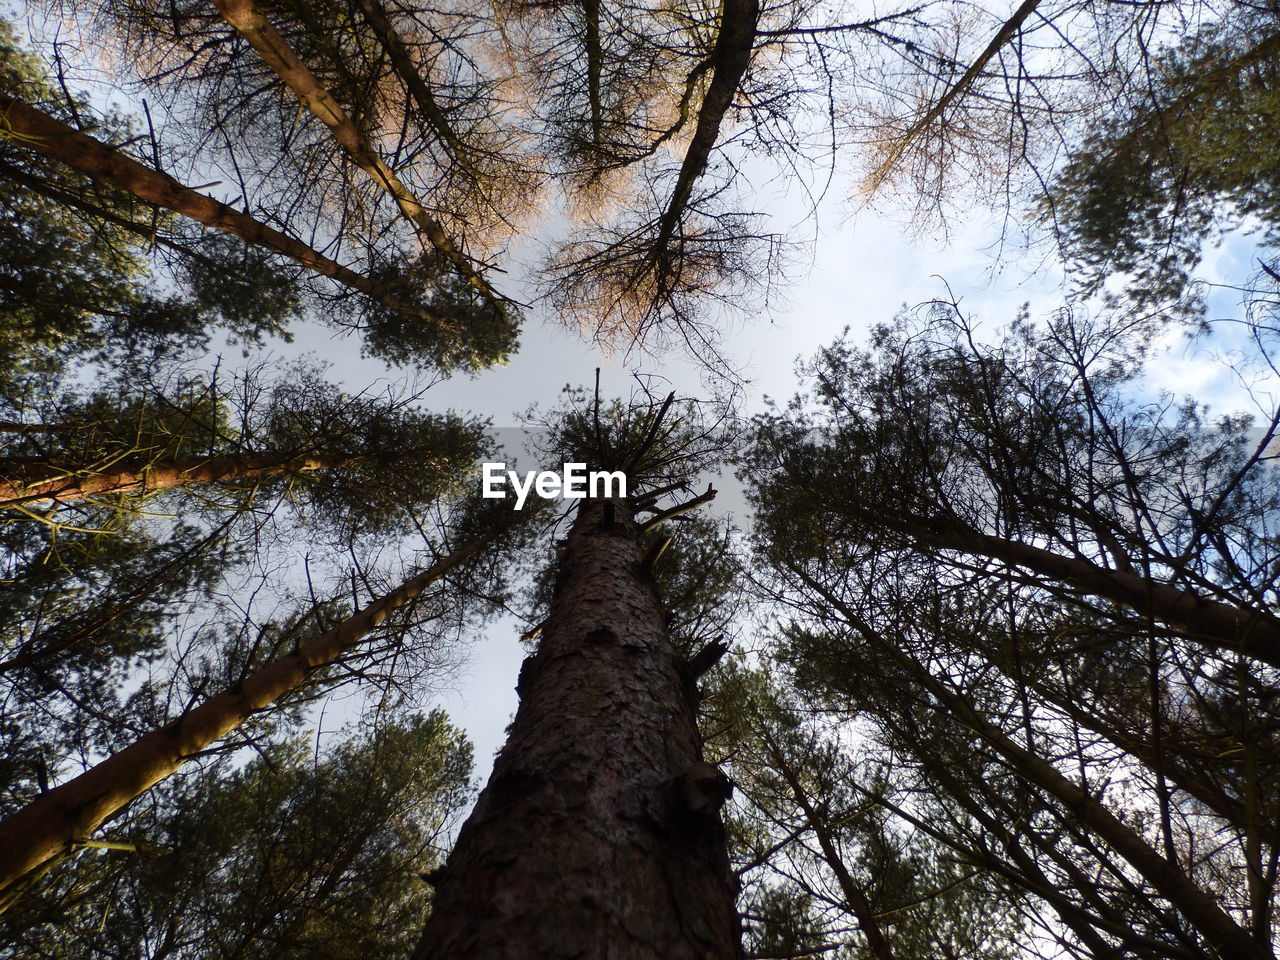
(28, 480)
(56, 821)
(276, 53)
(1246, 630)
(48, 136)
(599, 833)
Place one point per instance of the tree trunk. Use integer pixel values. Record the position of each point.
(35, 480)
(1250, 631)
(730, 58)
(599, 833)
(50, 825)
(375, 14)
(1200, 908)
(50, 137)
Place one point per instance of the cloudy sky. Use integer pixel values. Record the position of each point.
(852, 268)
(864, 269)
(861, 269)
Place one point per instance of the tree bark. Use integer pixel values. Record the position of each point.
(35, 480)
(50, 137)
(50, 825)
(599, 833)
(591, 41)
(729, 58)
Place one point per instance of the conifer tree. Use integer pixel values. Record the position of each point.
(291, 855)
(290, 665)
(958, 523)
(1181, 162)
(826, 866)
(599, 831)
(1053, 602)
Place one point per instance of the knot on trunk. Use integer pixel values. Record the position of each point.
(524, 681)
(701, 791)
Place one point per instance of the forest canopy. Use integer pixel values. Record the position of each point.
(984, 666)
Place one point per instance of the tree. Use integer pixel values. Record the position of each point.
(1078, 733)
(291, 855)
(827, 867)
(599, 829)
(75, 283)
(443, 340)
(1185, 160)
(62, 818)
(242, 435)
(397, 150)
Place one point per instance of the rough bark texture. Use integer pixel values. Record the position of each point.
(24, 481)
(53, 823)
(599, 833)
(46, 135)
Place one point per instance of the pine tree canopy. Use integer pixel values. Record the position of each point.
(960, 643)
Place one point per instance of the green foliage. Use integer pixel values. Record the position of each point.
(94, 274)
(240, 288)
(856, 783)
(663, 447)
(891, 511)
(288, 415)
(823, 862)
(1046, 434)
(701, 580)
(393, 458)
(61, 272)
(80, 279)
(80, 612)
(290, 856)
(779, 922)
(480, 333)
(657, 443)
(1181, 163)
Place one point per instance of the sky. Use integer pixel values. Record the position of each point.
(862, 269)
(865, 268)
(852, 268)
